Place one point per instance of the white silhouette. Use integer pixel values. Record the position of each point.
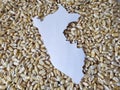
(65, 57)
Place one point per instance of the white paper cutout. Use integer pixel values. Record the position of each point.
(65, 57)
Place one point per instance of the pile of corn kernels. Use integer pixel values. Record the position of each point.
(25, 63)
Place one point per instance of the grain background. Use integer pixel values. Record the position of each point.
(25, 63)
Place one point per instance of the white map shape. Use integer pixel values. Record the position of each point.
(64, 56)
